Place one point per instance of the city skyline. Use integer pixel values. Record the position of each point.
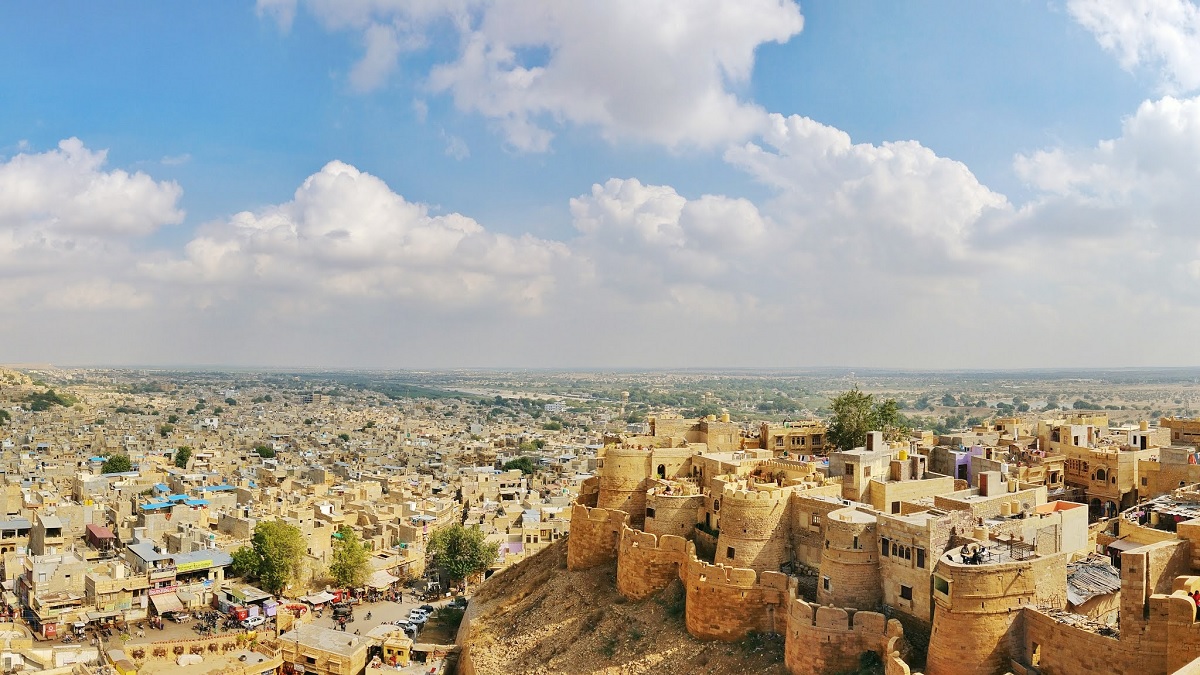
(717, 184)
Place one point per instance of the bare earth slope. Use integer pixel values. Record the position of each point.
(538, 617)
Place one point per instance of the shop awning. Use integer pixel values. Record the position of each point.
(96, 616)
(166, 602)
(185, 597)
(1122, 545)
(318, 598)
(381, 579)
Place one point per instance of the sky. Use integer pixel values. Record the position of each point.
(626, 184)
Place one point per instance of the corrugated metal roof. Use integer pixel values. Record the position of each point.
(1091, 577)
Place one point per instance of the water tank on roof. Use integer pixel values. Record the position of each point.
(1005, 509)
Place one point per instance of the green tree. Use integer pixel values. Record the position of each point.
(856, 413)
(265, 451)
(165, 430)
(351, 565)
(345, 437)
(461, 551)
(5, 417)
(116, 464)
(172, 419)
(279, 547)
(182, 455)
(246, 561)
(230, 401)
(525, 464)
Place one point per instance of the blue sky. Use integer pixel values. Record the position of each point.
(718, 183)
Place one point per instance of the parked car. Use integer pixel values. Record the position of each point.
(341, 609)
(178, 617)
(428, 608)
(253, 622)
(459, 602)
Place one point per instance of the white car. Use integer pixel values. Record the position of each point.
(253, 621)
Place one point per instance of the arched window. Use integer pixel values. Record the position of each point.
(662, 471)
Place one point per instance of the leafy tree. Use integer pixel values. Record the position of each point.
(230, 401)
(165, 430)
(265, 451)
(172, 419)
(525, 464)
(4, 417)
(552, 426)
(345, 437)
(855, 413)
(245, 561)
(351, 564)
(949, 401)
(218, 410)
(461, 551)
(1023, 407)
(278, 547)
(182, 455)
(116, 464)
(45, 400)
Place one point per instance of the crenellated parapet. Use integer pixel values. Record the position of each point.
(726, 603)
(675, 514)
(754, 528)
(647, 563)
(822, 639)
(594, 538)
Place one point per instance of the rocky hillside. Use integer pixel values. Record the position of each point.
(538, 617)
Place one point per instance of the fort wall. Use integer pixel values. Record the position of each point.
(977, 606)
(624, 478)
(753, 530)
(594, 538)
(673, 514)
(646, 563)
(726, 603)
(822, 639)
(850, 574)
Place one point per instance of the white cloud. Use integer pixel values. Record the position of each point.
(658, 71)
(456, 147)
(379, 59)
(346, 235)
(175, 160)
(67, 191)
(1156, 33)
(282, 11)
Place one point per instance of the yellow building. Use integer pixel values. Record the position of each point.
(324, 651)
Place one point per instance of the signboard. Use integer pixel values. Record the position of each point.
(165, 589)
(193, 566)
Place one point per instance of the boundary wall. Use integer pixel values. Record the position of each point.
(594, 537)
(647, 563)
(754, 524)
(726, 603)
(822, 639)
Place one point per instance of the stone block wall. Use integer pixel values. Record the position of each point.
(822, 639)
(726, 603)
(646, 563)
(754, 529)
(673, 514)
(595, 534)
(973, 624)
(624, 478)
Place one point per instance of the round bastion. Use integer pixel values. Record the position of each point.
(623, 481)
(753, 530)
(850, 561)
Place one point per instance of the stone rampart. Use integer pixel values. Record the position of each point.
(977, 606)
(624, 478)
(594, 537)
(646, 563)
(824, 639)
(673, 514)
(754, 525)
(726, 603)
(1055, 647)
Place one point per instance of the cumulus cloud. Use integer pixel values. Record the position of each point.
(67, 191)
(649, 70)
(66, 224)
(1163, 34)
(345, 234)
